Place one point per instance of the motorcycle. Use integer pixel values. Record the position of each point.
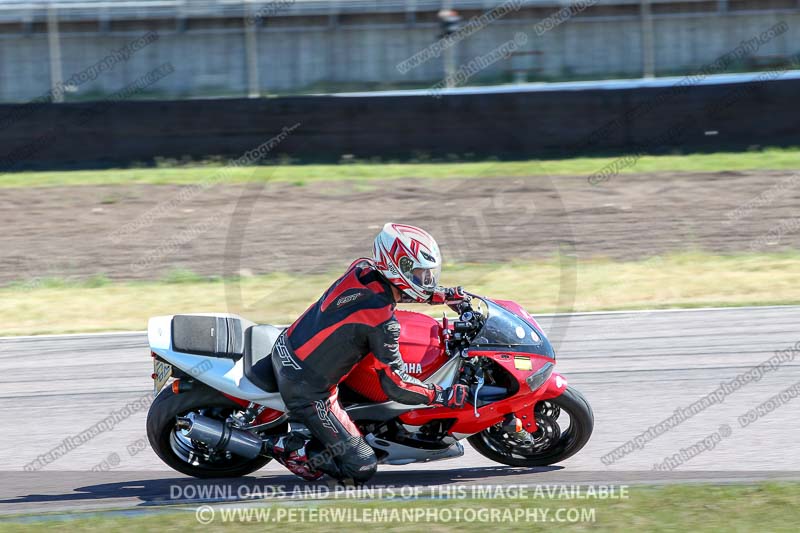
(214, 417)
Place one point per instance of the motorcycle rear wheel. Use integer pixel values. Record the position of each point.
(187, 456)
(550, 444)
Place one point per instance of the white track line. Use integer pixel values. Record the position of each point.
(74, 335)
(582, 313)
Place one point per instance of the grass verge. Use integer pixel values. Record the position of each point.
(773, 507)
(169, 173)
(678, 280)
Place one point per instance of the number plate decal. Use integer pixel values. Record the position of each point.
(522, 363)
(163, 372)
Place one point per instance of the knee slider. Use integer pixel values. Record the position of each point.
(359, 462)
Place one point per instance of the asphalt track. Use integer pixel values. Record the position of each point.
(635, 369)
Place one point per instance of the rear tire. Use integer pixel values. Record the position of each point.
(161, 432)
(491, 445)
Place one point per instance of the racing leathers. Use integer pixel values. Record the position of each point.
(353, 318)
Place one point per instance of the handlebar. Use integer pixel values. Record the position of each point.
(460, 332)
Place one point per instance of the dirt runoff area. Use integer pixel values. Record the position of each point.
(150, 231)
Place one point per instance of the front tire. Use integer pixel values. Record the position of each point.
(550, 444)
(187, 456)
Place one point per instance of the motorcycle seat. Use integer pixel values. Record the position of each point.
(210, 335)
(258, 343)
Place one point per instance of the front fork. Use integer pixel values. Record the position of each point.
(555, 386)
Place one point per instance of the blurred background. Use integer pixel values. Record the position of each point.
(217, 138)
(258, 48)
(159, 79)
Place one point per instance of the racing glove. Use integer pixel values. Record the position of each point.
(453, 397)
(445, 295)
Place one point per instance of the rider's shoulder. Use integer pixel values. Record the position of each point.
(362, 264)
(361, 286)
(371, 278)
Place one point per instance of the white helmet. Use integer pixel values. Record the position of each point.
(409, 258)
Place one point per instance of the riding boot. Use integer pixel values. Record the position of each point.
(290, 451)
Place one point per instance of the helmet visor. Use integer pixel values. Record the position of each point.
(427, 278)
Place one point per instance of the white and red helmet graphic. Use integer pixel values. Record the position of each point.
(409, 258)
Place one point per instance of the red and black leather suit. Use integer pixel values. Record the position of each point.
(355, 317)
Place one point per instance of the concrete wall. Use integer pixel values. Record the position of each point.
(316, 53)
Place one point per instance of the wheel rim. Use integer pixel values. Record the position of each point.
(556, 431)
(196, 453)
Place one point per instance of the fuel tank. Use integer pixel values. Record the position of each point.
(420, 346)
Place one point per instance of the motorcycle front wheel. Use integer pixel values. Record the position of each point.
(565, 425)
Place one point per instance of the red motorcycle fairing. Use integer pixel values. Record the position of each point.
(520, 404)
(423, 354)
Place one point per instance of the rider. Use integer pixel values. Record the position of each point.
(353, 318)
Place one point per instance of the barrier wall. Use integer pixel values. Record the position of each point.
(509, 124)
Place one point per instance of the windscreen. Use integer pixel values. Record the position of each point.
(504, 328)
